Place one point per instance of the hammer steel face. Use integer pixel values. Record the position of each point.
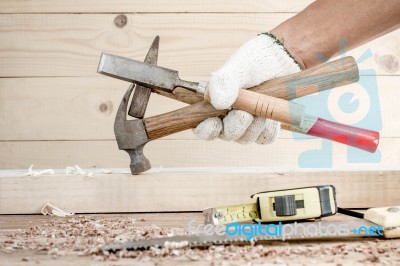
(131, 135)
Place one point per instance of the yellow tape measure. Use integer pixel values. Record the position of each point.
(239, 213)
(278, 205)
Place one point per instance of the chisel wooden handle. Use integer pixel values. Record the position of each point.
(322, 77)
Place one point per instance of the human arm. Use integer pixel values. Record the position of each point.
(322, 25)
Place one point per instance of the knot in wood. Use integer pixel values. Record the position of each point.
(106, 107)
(120, 21)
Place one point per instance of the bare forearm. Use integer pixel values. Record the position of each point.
(320, 27)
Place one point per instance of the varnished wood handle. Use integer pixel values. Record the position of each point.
(322, 77)
(182, 119)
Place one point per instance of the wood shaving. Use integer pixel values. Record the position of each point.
(32, 172)
(76, 170)
(50, 209)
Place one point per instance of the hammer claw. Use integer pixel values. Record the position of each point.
(123, 106)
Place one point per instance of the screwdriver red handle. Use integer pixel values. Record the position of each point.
(364, 139)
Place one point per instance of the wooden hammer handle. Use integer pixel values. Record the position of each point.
(178, 120)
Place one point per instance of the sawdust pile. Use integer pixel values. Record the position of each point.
(84, 236)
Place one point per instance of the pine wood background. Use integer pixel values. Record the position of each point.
(55, 110)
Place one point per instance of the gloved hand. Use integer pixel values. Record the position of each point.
(258, 60)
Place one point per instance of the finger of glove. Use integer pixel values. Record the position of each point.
(235, 124)
(270, 133)
(209, 129)
(253, 131)
(223, 90)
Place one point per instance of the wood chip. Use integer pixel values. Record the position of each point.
(50, 209)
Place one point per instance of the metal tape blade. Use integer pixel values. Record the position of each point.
(231, 214)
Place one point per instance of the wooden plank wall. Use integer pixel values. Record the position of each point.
(55, 110)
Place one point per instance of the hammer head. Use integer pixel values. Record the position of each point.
(131, 135)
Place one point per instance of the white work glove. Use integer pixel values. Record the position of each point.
(258, 60)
